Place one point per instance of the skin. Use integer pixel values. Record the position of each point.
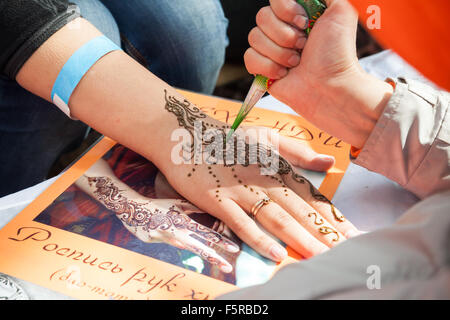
(326, 85)
(129, 103)
(152, 220)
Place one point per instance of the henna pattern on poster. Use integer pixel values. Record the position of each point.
(136, 214)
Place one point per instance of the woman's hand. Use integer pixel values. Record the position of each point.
(227, 180)
(124, 101)
(320, 77)
(155, 220)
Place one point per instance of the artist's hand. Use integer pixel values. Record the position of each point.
(297, 213)
(155, 220)
(320, 77)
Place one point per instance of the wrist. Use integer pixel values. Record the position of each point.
(368, 97)
(357, 103)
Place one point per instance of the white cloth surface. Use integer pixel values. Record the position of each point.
(10, 206)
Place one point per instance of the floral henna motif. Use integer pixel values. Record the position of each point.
(204, 255)
(186, 114)
(241, 152)
(328, 230)
(324, 230)
(136, 214)
(317, 221)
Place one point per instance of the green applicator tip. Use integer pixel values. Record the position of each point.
(230, 133)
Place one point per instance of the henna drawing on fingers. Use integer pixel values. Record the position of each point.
(328, 230)
(318, 221)
(240, 153)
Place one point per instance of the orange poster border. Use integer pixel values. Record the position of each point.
(84, 280)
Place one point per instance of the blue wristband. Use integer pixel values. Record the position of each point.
(76, 67)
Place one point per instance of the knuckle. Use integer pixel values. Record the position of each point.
(247, 54)
(313, 249)
(284, 10)
(289, 39)
(249, 60)
(253, 36)
(240, 226)
(260, 242)
(262, 16)
(274, 70)
(285, 55)
(281, 220)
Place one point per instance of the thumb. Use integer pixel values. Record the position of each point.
(341, 7)
(302, 155)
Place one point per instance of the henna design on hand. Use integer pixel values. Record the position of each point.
(328, 230)
(136, 214)
(241, 153)
(317, 221)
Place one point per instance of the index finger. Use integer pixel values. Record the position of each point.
(291, 12)
(212, 236)
(206, 253)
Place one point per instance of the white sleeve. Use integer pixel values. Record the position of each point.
(410, 143)
(410, 259)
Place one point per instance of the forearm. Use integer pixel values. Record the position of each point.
(100, 183)
(117, 96)
(131, 209)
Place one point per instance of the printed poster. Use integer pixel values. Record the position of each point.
(67, 241)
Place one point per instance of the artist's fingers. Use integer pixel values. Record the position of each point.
(301, 155)
(206, 253)
(213, 237)
(290, 12)
(281, 33)
(247, 230)
(284, 226)
(266, 47)
(306, 190)
(305, 215)
(256, 63)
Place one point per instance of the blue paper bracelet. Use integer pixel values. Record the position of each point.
(76, 67)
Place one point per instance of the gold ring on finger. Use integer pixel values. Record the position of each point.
(258, 205)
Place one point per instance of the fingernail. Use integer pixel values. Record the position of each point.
(325, 158)
(301, 21)
(282, 73)
(300, 9)
(232, 248)
(300, 44)
(294, 60)
(226, 268)
(279, 253)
